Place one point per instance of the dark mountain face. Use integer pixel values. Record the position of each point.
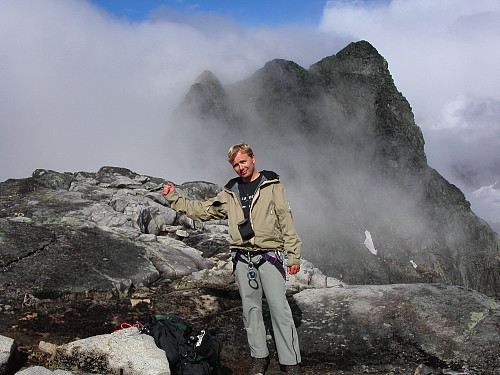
(346, 145)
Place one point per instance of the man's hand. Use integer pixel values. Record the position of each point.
(292, 270)
(168, 188)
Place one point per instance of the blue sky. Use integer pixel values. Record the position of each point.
(248, 13)
(86, 77)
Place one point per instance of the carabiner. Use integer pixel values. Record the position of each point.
(252, 274)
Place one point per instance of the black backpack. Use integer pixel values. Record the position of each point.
(188, 353)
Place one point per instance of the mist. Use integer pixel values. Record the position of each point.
(442, 58)
(327, 152)
(81, 89)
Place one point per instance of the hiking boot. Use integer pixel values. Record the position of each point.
(293, 370)
(259, 366)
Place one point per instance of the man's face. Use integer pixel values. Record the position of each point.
(243, 165)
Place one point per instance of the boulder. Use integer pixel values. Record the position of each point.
(199, 190)
(446, 327)
(39, 370)
(122, 352)
(311, 276)
(82, 262)
(7, 347)
(11, 359)
(52, 179)
(174, 259)
(143, 210)
(211, 243)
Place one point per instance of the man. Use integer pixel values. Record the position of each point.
(260, 228)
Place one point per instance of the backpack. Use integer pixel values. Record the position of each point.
(188, 353)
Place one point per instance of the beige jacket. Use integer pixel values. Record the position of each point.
(270, 216)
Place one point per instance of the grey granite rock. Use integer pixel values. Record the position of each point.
(7, 347)
(448, 326)
(123, 352)
(100, 237)
(38, 370)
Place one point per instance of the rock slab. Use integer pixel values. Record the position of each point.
(124, 352)
(444, 326)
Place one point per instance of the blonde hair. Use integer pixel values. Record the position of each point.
(240, 147)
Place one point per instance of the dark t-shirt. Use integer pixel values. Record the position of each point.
(247, 191)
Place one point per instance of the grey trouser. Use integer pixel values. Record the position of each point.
(270, 281)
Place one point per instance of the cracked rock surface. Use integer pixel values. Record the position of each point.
(89, 234)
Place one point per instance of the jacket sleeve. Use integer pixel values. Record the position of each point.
(292, 241)
(214, 208)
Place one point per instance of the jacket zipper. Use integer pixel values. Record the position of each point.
(255, 197)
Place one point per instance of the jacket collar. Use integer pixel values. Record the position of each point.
(266, 176)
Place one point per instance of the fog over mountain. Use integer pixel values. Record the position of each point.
(81, 89)
(368, 207)
(441, 56)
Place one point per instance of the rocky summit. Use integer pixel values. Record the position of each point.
(399, 275)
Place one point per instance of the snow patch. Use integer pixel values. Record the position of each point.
(369, 243)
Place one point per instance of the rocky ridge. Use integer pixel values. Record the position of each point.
(83, 252)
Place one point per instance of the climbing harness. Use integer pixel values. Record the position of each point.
(252, 267)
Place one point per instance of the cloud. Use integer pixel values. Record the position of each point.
(464, 145)
(489, 196)
(442, 57)
(467, 130)
(81, 89)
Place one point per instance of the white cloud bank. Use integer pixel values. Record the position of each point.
(487, 200)
(80, 89)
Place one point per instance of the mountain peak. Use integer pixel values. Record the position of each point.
(207, 77)
(356, 58)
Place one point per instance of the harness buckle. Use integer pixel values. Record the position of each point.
(272, 260)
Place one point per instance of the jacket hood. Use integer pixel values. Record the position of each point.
(268, 175)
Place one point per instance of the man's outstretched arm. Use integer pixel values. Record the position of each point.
(214, 208)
